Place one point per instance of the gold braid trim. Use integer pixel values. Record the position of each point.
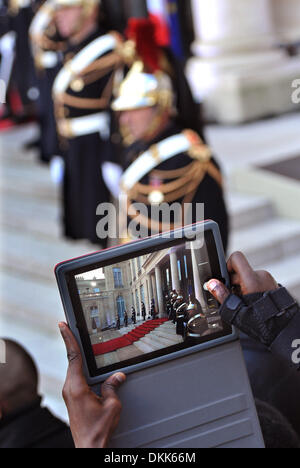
(179, 189)
(215, 173)
(185, 187)
(166, 175)
(82, 103)
(188, 180)
(108, 61)
(94, 76)
(47, 44)
(171, 186)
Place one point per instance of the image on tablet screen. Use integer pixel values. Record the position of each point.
(149, 303)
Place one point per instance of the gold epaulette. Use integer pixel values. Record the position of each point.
(183, 183)
(179, 184)
(198, 150)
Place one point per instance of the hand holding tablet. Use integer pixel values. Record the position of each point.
(92, 419)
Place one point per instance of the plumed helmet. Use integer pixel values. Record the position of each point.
(148, 82)
(140, 89)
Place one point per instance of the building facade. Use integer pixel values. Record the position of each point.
(144, 280)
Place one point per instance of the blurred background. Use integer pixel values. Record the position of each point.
(242, 58)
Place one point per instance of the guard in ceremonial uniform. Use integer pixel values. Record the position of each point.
(21, 13)
(173, 296)
(17, 68)
(181, 308)
(196, 324)
(166, 160)
(82, 96)
(47, 48)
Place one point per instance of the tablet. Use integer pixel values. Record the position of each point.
(143, 309)
(119, 302)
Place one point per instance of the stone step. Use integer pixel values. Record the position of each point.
(12, 156)
(27, 181)
(17, 137)
(144, 347)
(33, 301)
(174, 339)
(162, 340)
(153, 342)
(267, 242)
(125, 331)
(255, 143)
(32, 215)
(167, 325)
(287, 273)
(36, 257)
(247, 210)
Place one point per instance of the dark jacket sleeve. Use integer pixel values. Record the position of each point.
(287, 343)
(272, 319)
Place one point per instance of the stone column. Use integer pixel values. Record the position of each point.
(197, 260)
(174, 271)
(286, 14)
(147, 293)
(150, 289)
(159, 290)
(155, 297)
(238, 68)
(228, 26)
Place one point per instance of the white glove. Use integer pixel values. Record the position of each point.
(57, 170)
(7, 43)
(112, 174)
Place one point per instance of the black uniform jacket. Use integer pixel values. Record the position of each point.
(34, 427)
(84, 187)
(203, 186)
(24, 71)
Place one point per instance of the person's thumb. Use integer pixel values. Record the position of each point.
(112, 384)
(218, 290)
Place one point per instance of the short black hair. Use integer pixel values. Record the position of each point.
(18, 377)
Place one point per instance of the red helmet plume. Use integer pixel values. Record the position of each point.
(149, 40)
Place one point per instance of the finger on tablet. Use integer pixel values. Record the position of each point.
(218, 290)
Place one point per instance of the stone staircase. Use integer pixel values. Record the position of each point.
(162, 337)
(31, 246)
(270, 242)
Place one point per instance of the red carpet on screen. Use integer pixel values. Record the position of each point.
(129, 339)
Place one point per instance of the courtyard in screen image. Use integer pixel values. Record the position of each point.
(108, 293)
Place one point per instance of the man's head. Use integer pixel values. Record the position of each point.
(139, 124)
(18, 379)
(73, 17)
(145, 102)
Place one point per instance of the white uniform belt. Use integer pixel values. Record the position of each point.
(156, 155)
(83, 59)
(95, 123)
